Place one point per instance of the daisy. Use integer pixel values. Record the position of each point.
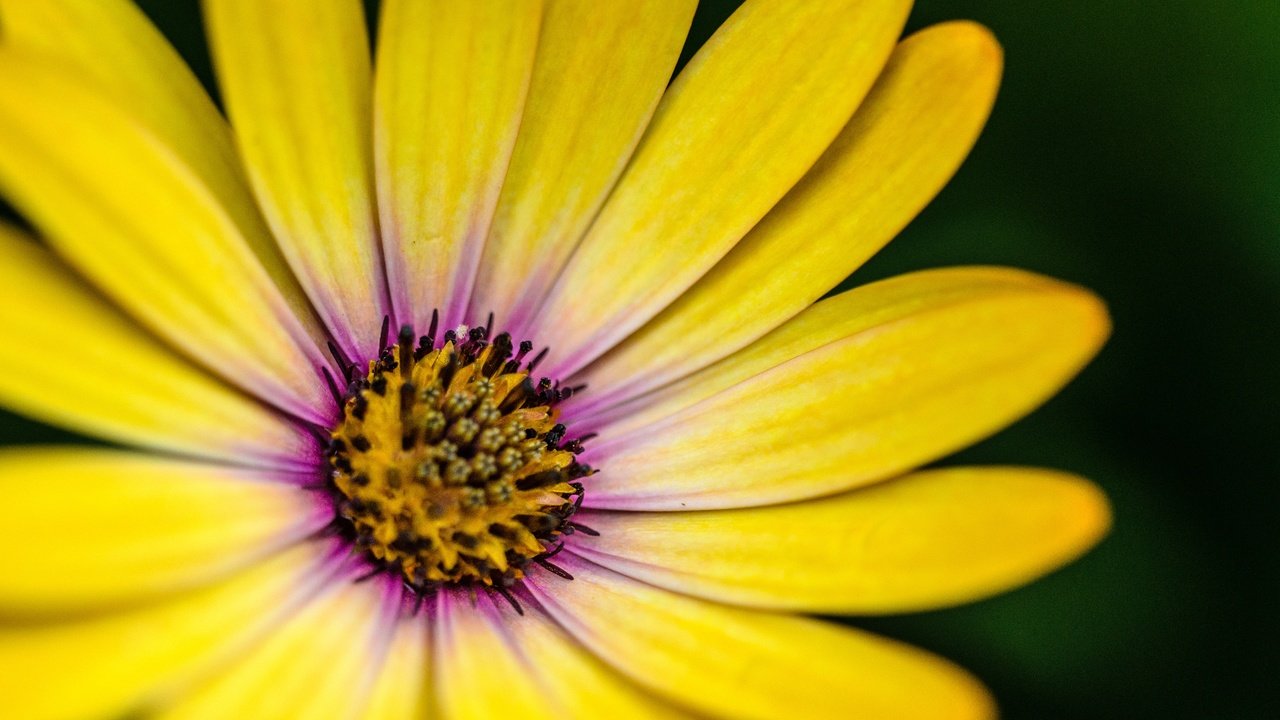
(484, 373)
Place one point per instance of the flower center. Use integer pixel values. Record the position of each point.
(448, 463)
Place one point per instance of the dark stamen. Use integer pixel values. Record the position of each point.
(435, 325)
(383, 335)
(368, 575)
(553, 568)
(537, 360)
(505, 593)
(333, 386)
(405, 345)
(344, 365)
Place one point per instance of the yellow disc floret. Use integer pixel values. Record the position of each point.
(449, 465)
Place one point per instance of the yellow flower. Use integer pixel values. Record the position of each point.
(351, 496)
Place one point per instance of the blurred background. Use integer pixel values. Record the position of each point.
(1135, 149)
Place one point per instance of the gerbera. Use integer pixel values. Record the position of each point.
(481, 375)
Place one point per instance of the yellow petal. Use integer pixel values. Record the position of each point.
(317, 665)
(905, 141)
(115, 47)
(855, 311)
(67, 357)
(101, 528)
(296, 80)
(599, 71)
(883, 399)
(112, 43)
(449, 95)
(493, 662)
(920, 542)
(479, 674)
(731, 662)
(400, 692)
(571, 677)
(111, 665)
(127, 212)
(740, 125)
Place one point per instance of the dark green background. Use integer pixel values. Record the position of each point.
(1135, 149)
